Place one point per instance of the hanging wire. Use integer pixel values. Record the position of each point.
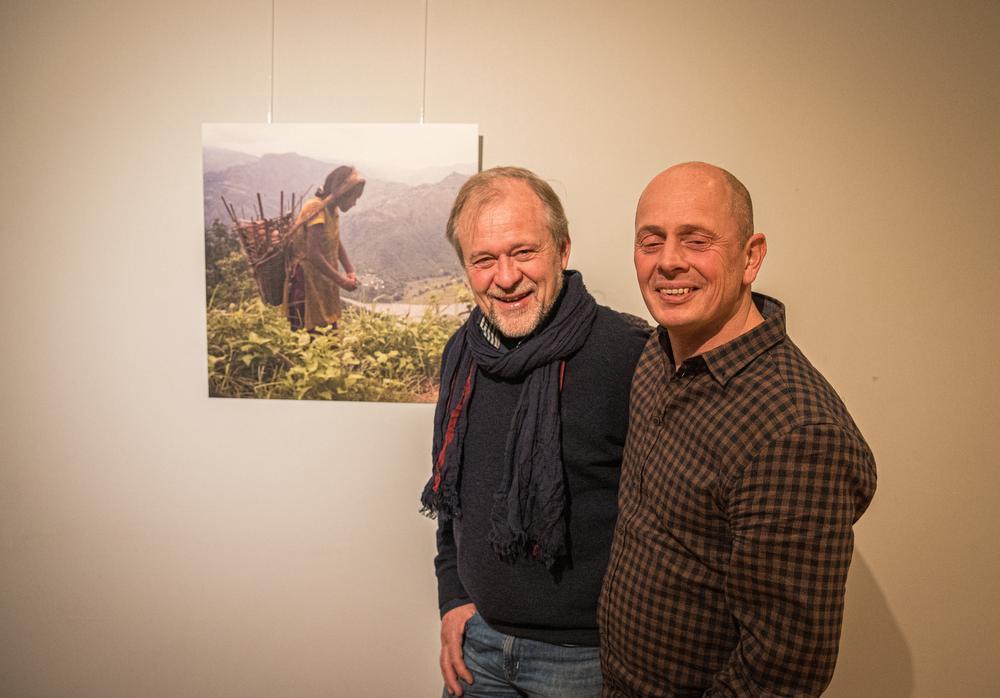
(270, 75)
(423, 91)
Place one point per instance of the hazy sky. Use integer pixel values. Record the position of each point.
(405, 146)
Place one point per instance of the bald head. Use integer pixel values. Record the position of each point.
(711, 178)
(696, 256)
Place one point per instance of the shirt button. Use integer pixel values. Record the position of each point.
(658, 420)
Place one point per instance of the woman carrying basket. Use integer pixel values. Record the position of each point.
(312, 279)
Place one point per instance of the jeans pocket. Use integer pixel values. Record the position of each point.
(474, 629)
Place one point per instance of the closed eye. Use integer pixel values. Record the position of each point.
(650, 243)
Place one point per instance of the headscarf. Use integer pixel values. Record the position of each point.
(338, 183)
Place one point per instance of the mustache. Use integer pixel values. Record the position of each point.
(519, 290)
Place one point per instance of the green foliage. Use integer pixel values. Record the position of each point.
(233, 281)
(371, 357)
(252, 352)
(228, 278)
(219, 243)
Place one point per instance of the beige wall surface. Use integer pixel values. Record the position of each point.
(154, 542)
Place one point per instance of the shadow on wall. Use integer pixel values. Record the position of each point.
(874, 657)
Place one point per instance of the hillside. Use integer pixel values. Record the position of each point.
(394, 236)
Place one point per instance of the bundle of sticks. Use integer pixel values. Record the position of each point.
(264, 241)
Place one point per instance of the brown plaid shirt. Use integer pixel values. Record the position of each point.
(742, 475)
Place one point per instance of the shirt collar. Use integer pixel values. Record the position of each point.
(726, 361)
(490, 332)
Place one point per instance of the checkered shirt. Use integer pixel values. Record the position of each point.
(742, 476)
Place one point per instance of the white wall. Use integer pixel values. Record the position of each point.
(154, 542)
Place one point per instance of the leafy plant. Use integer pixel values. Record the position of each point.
(234, 281)
(372, 356)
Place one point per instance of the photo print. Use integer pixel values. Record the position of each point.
(328, 275)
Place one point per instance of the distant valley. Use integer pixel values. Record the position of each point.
(394, 236)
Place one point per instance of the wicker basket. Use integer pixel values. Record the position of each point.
(265, 241)
(270, 275)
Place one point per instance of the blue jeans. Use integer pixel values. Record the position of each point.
(503, 665)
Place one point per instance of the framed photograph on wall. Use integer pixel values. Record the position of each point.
(328, 275)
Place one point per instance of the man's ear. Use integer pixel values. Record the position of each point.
(755, 251)
(565, 254)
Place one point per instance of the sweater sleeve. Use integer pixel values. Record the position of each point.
(451, 593)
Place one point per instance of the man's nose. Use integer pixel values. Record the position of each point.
(672, 259)
(508, 274)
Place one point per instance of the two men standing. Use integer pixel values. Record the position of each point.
(742, 474)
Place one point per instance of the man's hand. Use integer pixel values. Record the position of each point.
(452, 633)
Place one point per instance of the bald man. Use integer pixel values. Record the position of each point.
(742, 476)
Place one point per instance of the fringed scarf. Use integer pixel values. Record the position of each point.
(529, 506)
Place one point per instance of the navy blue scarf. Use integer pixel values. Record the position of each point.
(529, 506)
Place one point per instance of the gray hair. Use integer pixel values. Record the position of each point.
(483, 187)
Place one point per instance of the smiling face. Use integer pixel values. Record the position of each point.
(513, 265)
(693, 265)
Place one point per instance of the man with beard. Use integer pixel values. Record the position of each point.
(529, 429)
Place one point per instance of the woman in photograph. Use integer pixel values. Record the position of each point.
(313, 279)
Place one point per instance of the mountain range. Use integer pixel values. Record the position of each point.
(394, 235)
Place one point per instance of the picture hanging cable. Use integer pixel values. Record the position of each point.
(423, 91)
(270, 75)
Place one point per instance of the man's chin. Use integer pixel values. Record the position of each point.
(515, 327)
(516, 331)
(670, 316)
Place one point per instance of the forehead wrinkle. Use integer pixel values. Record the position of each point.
(494, 209)
(473, 210)
(698, 188)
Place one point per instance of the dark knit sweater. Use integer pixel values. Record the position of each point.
(525, 599)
